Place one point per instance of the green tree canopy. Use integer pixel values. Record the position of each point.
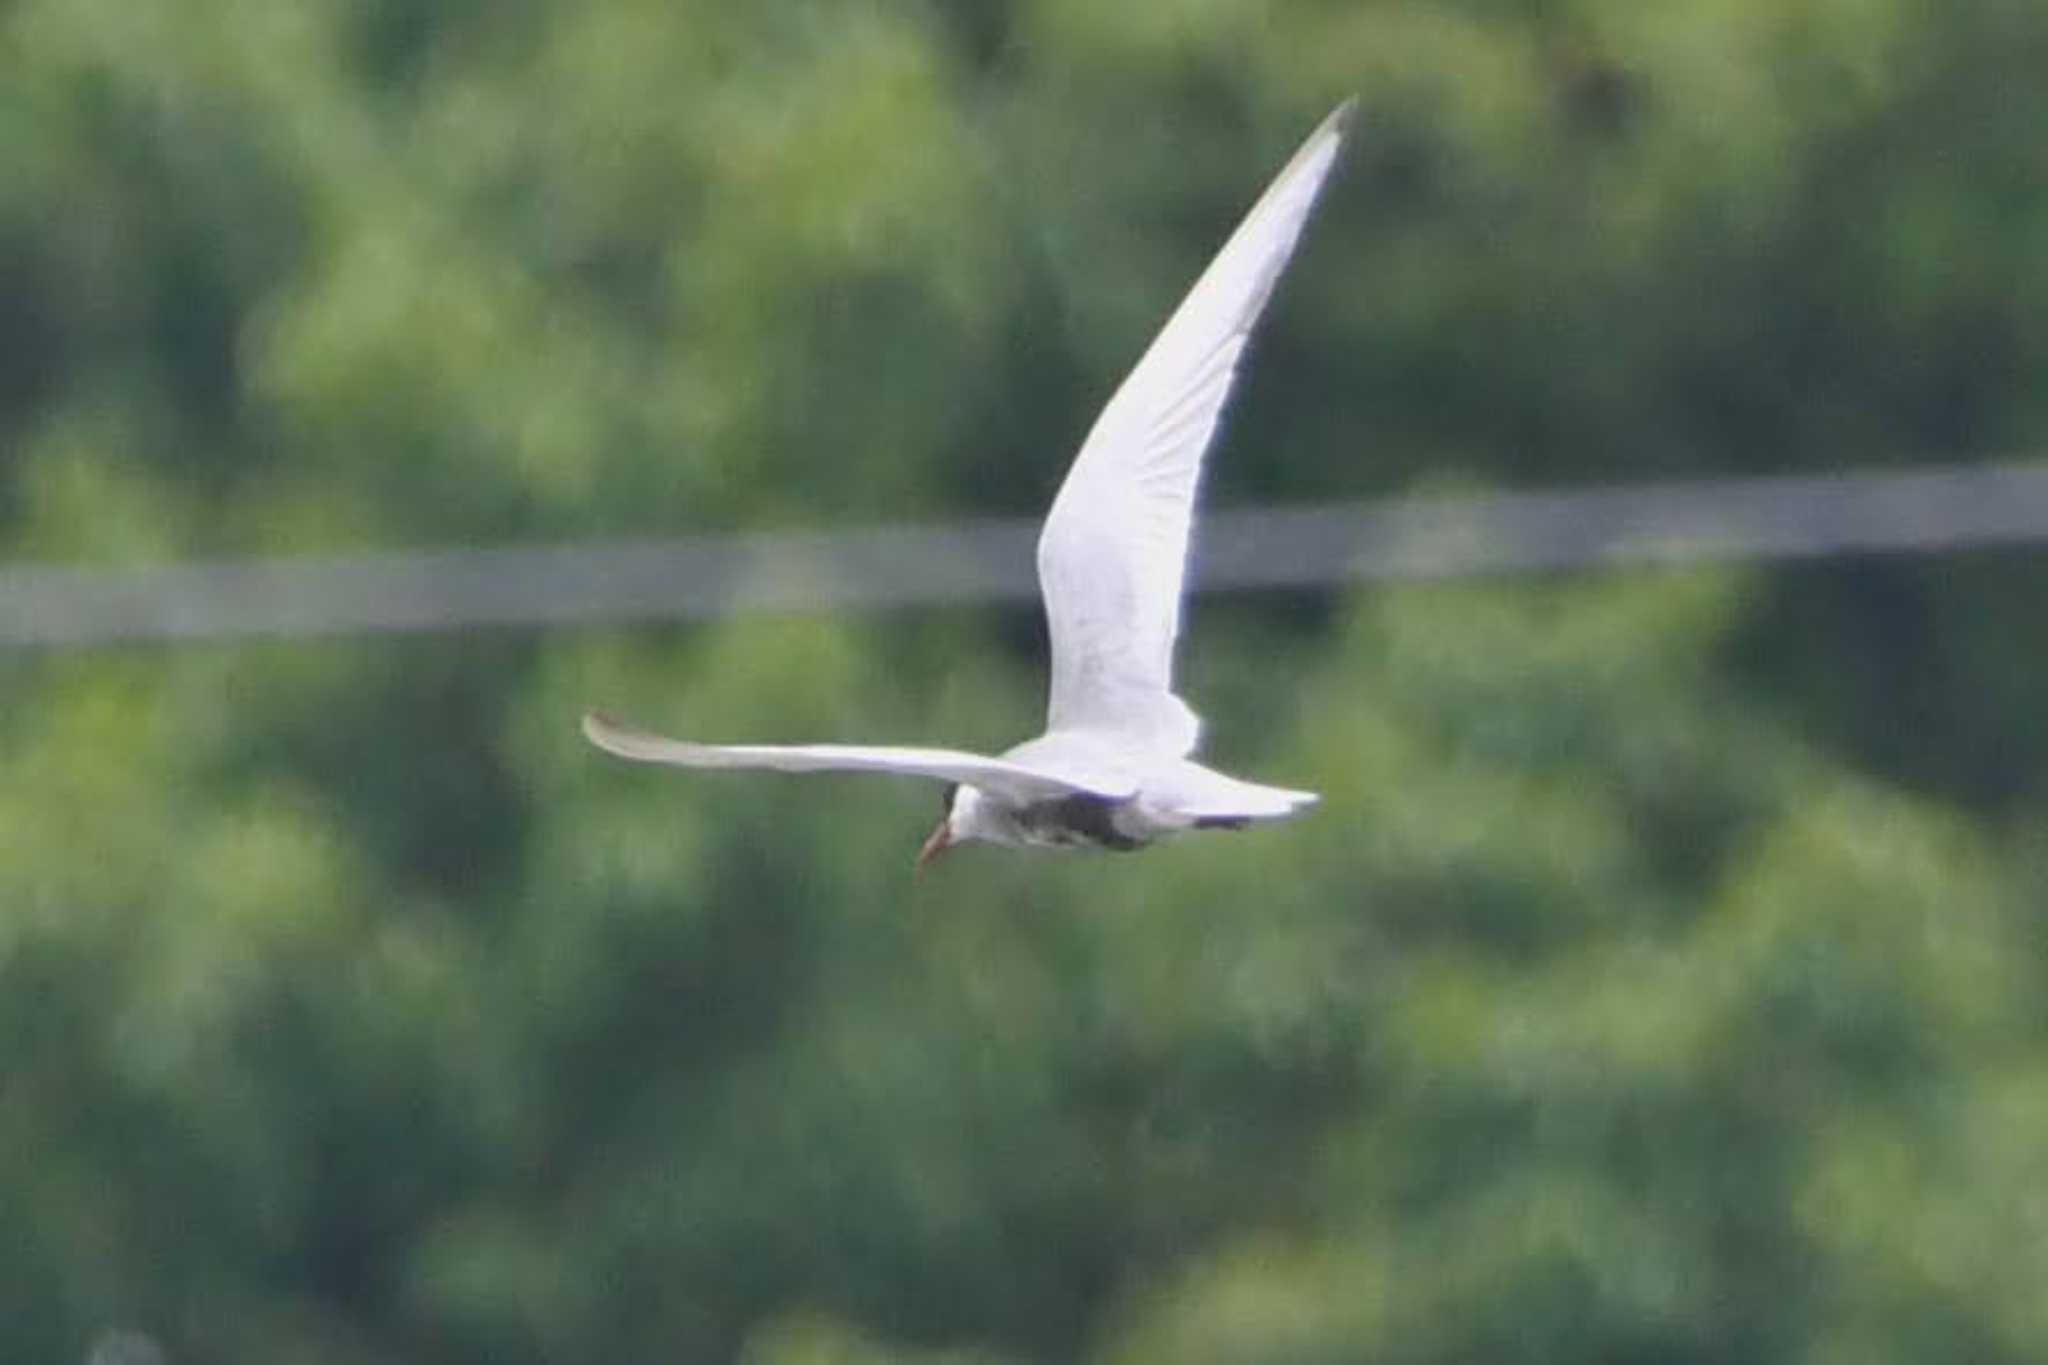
(1660, 979)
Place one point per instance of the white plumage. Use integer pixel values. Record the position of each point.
(1112, 768)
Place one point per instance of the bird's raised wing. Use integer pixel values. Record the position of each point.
(1114, 550)
(1016, 783)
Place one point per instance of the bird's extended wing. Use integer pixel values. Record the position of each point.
(1014, 782)
(1114, 550)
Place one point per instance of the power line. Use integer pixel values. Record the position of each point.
(991, 560)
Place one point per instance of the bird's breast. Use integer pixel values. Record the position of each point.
(1079, 821)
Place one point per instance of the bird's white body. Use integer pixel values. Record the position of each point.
(1113, 769)
(1172, 796)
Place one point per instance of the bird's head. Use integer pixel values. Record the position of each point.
(956, 823)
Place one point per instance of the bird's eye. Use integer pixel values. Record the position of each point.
(946, 801)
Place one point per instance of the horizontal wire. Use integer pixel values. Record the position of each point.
(692, 577)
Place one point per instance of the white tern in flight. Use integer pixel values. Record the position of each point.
(1112, 769)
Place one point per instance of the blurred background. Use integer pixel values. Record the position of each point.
(1661, 979)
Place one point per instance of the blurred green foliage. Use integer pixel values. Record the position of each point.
(1660, 981)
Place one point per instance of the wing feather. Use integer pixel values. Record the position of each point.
(1016, 782)
(1113, 554)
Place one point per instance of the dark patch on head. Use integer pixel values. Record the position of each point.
(946, 801)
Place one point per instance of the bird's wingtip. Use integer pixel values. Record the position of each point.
(601, 729)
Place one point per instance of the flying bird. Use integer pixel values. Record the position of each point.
(1113, 768)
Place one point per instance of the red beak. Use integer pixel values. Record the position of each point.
(938, 843)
